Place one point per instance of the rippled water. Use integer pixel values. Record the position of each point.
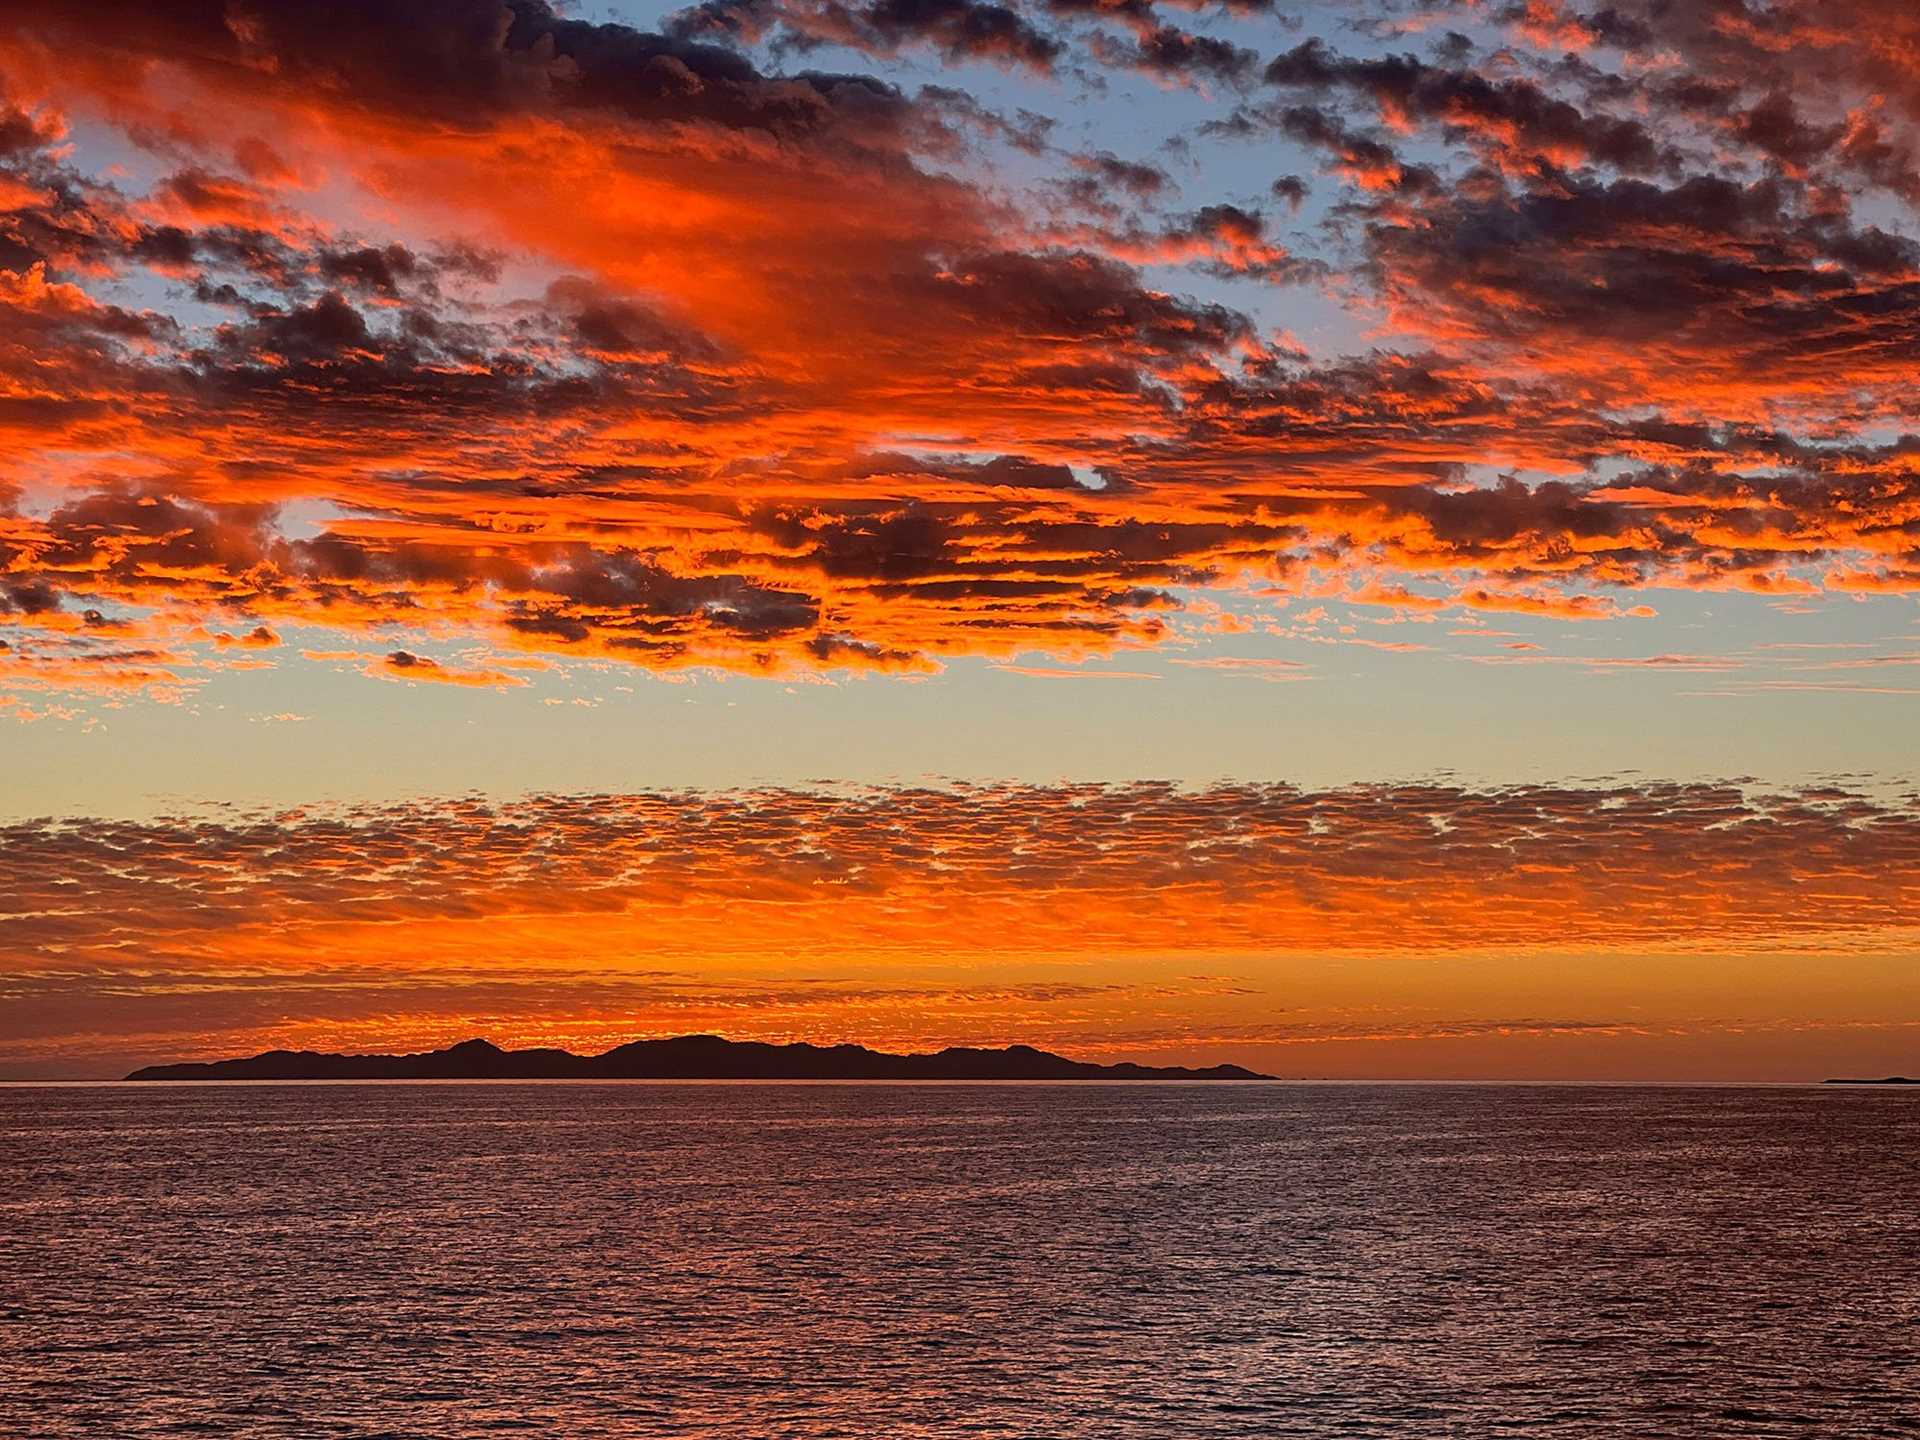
(897, 1261)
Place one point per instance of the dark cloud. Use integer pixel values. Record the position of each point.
(958, 30)
(1175, 56)
(472, 60)
(1709, 279)
(1511, 118)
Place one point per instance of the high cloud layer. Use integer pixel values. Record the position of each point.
(743, 344)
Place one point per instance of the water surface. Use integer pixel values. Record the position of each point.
(465, 1260)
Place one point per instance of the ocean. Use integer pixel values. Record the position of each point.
(890, 1260)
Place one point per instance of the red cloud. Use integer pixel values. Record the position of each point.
(773, 373)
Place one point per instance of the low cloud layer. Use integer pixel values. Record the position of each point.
(920, 912)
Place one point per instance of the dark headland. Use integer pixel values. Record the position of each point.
(686, 1057)
(1889, 1080)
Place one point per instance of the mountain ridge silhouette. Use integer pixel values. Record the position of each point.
(682, 1057)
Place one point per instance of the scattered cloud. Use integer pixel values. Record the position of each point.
(1643, 313)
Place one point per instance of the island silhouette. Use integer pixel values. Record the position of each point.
(685, 1057)
(1888, 1080)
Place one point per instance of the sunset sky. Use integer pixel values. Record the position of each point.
(1356, 538)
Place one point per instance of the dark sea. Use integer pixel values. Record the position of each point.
(1153, 1260)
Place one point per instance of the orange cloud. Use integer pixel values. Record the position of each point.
(783, 374)
(406, 666)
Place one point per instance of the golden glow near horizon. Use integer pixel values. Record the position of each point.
(646, 438)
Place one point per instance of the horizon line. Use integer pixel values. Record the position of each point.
(1849, 1082)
